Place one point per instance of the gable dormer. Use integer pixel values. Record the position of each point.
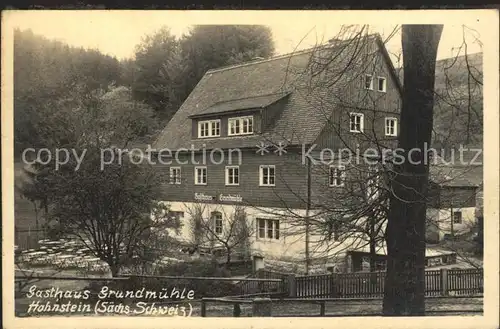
(238, 117)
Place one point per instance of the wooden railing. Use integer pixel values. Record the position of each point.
(462, 282)
(270, 283)
(363, 285)
(268, 307)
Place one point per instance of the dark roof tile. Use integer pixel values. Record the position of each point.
(255, 102)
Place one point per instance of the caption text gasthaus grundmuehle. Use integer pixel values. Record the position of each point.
(103, 302)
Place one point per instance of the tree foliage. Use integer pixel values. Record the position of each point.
(158, 72)
(109, 208)
(45, 71)
(166, 68)
(211, 46)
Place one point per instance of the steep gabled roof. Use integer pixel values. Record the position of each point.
(219, 89)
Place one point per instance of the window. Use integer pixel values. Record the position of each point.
(176, 216)
(240, 126)
(457, 217)
(175, 175)
(356, 122)
(267, 175)
(382, 84)
(200, 175)
(268, 228)
(391, 126)
(333, 229)
(336, 176)
(217, 222)
(232, 175)
(210, 128)
(368, 81)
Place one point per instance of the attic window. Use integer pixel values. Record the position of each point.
(391, 127)
(240, 126)
(368, 81)
(382, 84)
(356, 122)
(209, 128)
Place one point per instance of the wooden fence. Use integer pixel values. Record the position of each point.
(366, 285)
(465, 282)
(269, 284)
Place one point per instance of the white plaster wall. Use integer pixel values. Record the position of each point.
(442, 219)
(291, 244)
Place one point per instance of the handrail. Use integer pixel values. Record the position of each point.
(226, 300)
(357, 299)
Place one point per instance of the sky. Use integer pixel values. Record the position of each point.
(116, 32)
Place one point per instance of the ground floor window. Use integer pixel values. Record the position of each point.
(268, 228)
(217, 222)
(457, 217)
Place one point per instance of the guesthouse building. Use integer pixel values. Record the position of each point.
(268, 139)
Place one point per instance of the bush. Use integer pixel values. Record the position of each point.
(201, 288)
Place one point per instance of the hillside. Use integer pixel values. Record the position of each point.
(458, 111)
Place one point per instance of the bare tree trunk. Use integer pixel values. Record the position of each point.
(373, 251)
(115, 269)
(405, 280)
(228, 257)
(307, 223)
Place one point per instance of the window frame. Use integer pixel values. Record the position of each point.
(388, 119)
(261, 175)
(457, 211)
(210, 128)
(178, 180)
(270, 225)
(217, 219)
(371, 81)
(227, 176)
(384, 89)
(361, 122)
(342, 175)
(196, 175)
(241, 121)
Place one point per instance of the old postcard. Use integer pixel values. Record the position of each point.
(250, 168)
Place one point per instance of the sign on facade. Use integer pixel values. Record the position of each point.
(222, 197)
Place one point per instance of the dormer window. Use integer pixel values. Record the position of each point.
(209, 128)
(382, 84)
(240, 126)
(368, 81)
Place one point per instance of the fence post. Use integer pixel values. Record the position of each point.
(203, 308)
(292, 286)
(332, 285)
(443, 273)
(236, 310)
(257, 263)
(322, 309)
(262, 307)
